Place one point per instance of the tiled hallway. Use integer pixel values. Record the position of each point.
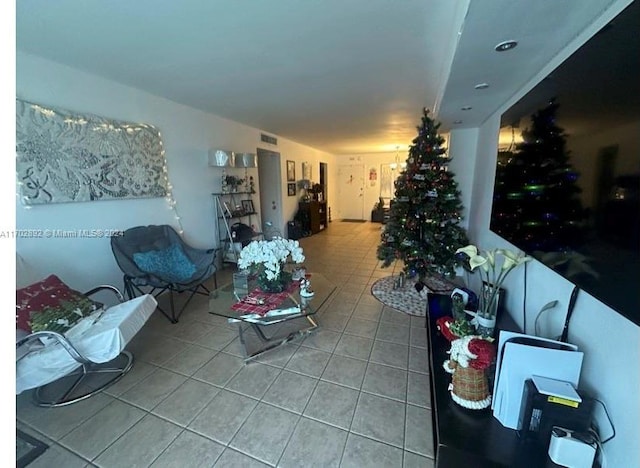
(354, 394)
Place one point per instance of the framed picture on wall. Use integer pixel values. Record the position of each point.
(306, 171)
(291, 189)
(247, 206)
(291, 171)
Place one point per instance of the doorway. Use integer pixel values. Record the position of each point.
(269, 176)
(351, 190)
(323, 181)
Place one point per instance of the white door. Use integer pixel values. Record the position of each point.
(269, 175)
(351, 191)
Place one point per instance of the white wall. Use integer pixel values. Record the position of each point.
(462, 150)
(299, 154)
(611, 343)
(187, 135)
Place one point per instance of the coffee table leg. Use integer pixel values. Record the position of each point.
(272, 343)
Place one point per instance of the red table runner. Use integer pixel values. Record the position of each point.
(249, 305)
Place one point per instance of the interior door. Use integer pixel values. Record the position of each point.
(269, 174)
(351, 191)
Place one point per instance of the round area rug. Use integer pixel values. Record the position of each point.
(407, 299)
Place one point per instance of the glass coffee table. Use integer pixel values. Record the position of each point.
(266, 321)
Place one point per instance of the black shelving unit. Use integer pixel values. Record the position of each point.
(230, 210)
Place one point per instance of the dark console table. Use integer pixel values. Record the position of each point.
(470, 438)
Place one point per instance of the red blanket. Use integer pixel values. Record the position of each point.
(250, 305)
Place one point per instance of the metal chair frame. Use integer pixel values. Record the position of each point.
(60, 393)
(146, 238)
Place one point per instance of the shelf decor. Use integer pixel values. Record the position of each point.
(495, 265)
(63, 156)
(470, 356)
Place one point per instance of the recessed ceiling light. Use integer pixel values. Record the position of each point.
(506, 45)
(457, 122)
(482, 86)
(466, 108)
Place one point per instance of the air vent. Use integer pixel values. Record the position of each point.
(268, 139)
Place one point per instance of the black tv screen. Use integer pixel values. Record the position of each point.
(567, 185)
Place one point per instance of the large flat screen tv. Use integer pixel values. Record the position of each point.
(568, 176)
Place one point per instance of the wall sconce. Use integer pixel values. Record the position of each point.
(221, 158)
(245, 160)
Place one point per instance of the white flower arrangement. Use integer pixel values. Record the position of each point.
(270, 255)
(491, 271)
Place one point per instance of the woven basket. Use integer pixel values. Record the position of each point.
(470, 388)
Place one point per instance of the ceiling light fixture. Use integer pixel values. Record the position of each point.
(481, 86)
(506, 45)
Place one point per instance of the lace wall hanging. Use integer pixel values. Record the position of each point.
(69, 157)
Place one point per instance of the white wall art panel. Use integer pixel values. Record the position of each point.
(64, 156)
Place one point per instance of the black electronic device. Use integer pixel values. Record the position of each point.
(541, 410)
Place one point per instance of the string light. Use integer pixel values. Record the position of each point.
(171, 201)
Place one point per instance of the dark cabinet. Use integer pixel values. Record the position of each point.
(471, 438)
(313, 215)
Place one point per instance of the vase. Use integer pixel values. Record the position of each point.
(485, 327)
(490, 300)
(275, 285)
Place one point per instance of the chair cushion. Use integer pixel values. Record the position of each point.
(50, 305)
(170, 264)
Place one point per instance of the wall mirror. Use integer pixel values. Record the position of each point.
(568, 185)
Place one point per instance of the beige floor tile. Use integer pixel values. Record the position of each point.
(345, 371)
(385, 381)
(308, 361)
(253, 379)
(390, 354)
(419, 431)
(291, 391)
(101, 430)
(198, 450)
(265, 433)
(332, 404)
(360, 327)
(354, 346)
(141, 444)
(184, 404)
(412, 460)
(155, 388)
(223, 416)
(380, 419)
(220, 369)
(362, 452)
(190, 359)
(304, 450)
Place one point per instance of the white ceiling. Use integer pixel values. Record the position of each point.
(344, 76)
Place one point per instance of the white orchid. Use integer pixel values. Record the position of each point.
(270, 255)
(490, 273)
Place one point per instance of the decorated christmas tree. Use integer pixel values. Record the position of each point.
(536, 203)
(423, 227)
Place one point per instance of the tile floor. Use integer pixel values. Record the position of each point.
(354, 394)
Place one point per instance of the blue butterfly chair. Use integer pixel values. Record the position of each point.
(157, 258)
